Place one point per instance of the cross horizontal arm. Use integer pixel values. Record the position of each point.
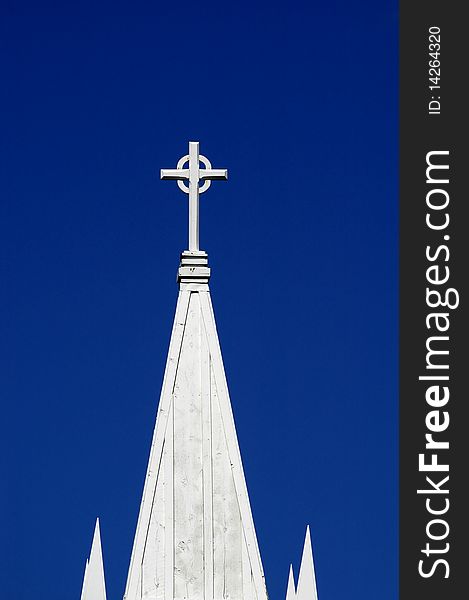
(174, 173)
(218, 174)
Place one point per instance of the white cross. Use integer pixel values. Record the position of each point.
(194, 174)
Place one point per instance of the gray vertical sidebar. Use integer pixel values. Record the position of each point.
(434, 271)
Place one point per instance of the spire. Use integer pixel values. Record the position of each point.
(306, 589)
(94, 587)
(195, 537)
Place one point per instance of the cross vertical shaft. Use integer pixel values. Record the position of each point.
(193, 196)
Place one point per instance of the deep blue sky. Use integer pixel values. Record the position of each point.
(299, 102)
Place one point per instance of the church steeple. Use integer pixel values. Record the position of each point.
(195, 535)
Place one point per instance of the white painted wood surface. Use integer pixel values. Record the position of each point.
(195, 535)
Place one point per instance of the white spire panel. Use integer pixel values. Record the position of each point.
(195, 536)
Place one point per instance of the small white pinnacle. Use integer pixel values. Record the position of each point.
(291, 594)
(306, 588)
(94, 587)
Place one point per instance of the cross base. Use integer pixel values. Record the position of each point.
(193, 267)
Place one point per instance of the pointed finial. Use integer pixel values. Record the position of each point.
(306, 589)
(94, 587)
(194, 175)
(291, 594)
